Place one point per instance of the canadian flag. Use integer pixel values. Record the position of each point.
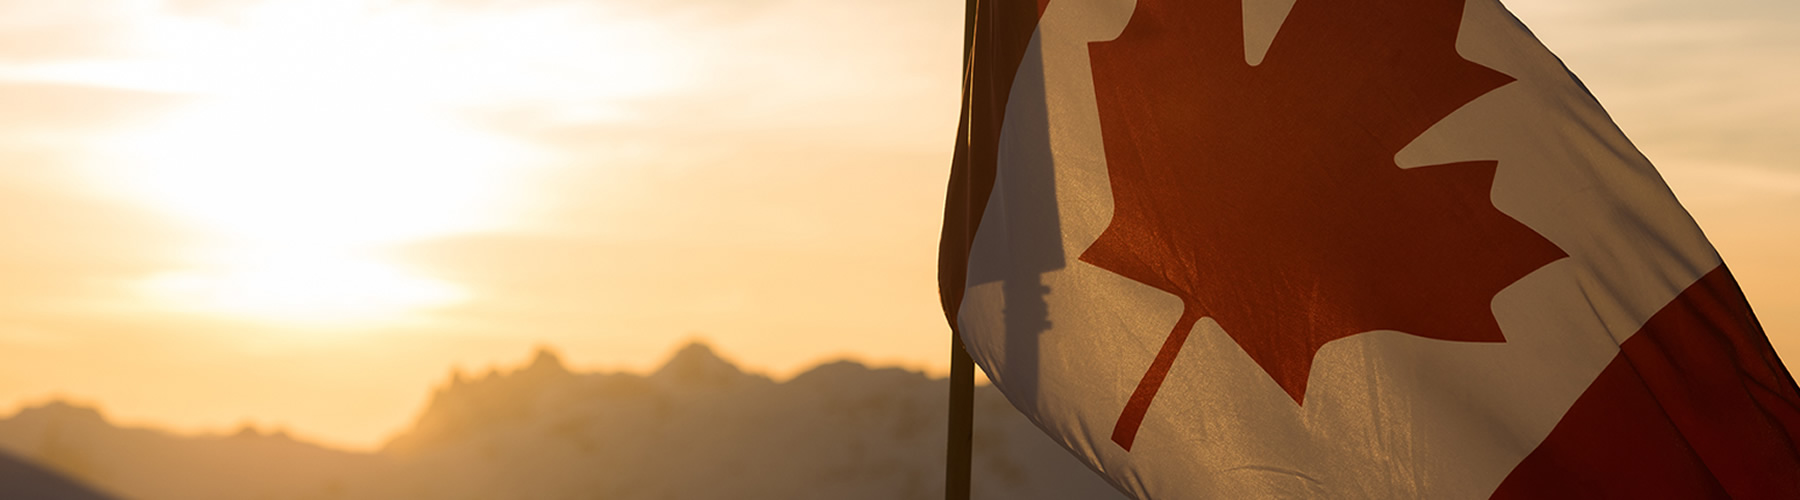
(1342, 248)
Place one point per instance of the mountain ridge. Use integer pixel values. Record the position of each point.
(541, 431)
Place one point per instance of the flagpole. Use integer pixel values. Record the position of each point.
(962, 368)
(962, 403)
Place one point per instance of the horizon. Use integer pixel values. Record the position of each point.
(590, 432)
(309, 214)
(453, 377)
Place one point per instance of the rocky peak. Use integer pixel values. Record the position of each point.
(697, 364)
(546, 361)
(61, 412)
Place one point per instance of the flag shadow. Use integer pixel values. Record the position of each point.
(1024, 208)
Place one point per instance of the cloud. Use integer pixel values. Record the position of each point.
(32, 31)
(64, 240)
(36, 109)
(1698, 81)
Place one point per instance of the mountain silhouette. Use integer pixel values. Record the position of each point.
(21, 479)
(699, 427)
(131, 463)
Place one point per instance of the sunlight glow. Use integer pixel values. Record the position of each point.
(304, 290)
(334, 173)
(319, 135)
(302, 193)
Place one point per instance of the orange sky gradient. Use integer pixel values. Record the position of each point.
(305, 213)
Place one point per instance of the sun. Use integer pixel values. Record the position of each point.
(303, 197)
(318, 136)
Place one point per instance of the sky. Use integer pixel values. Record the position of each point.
(304, 214)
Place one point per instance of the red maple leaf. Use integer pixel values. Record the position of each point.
(1267, 197)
